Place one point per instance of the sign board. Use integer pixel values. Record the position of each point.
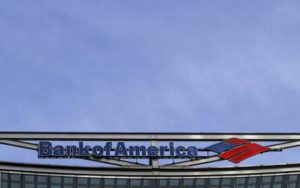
(233, 149)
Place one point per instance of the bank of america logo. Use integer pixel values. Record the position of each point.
(236, 150)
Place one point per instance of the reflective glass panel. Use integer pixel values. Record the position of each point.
(28, 181)
(35, 181)
(174, 183)
(162, 183)
(109, 183)
(188, 183)
(122, 183)
(82, 182)
(252, 182)
(148, 183)
(135, 183)
(213, 183)
(41, 181)
(95, 183)
(277, 181)
(266, 182)
(226, 183)
(240, 182)
(292, 181)
(4, 177)
(4, 180)
(68, 182)
(15, 180)
(55, 182)
(200, 183)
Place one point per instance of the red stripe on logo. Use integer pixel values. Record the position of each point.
(242, 156)
(236, 141)
(237, 150)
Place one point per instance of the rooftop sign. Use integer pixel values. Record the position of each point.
(234, 150)
(148, 149)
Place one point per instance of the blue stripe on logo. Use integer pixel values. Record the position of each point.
(214, 146)
(225, 147)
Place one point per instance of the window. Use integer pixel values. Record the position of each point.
(82, 183)
(4, 180)
(15, 180)
(10, 180)
(148, 183)
(42, 181)
(29, 181)
(55, 182)
(292, 181)
(252, 182)
(95, 183)
(68, 182)
(277, 181)
(122, 183)
(188, 183)
(135, 183)
(109, 183)
(266, 182)
(175, 183)
(214, 183)
(226, 183)
(162, 183)
(200, 183)
(240, 182)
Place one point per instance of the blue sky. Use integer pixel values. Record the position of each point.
(194, 66)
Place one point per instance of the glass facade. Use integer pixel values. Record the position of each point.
(11, 180)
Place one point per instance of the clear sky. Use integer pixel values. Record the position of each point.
(194, 66)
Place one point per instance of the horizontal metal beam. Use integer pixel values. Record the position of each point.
(147, 136)
(20, 144)
(211, 172)
(284, 145)
(189, 163)
(121, 163)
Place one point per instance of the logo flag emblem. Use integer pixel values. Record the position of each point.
(236, 150)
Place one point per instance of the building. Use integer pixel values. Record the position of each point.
(135, 158)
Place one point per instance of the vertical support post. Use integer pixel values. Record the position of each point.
(0, 179)
(154, 161)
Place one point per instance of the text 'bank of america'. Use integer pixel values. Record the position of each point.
(46, 149)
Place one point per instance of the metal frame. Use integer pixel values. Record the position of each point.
(115, 136)
(144, 173)
(22, 139)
